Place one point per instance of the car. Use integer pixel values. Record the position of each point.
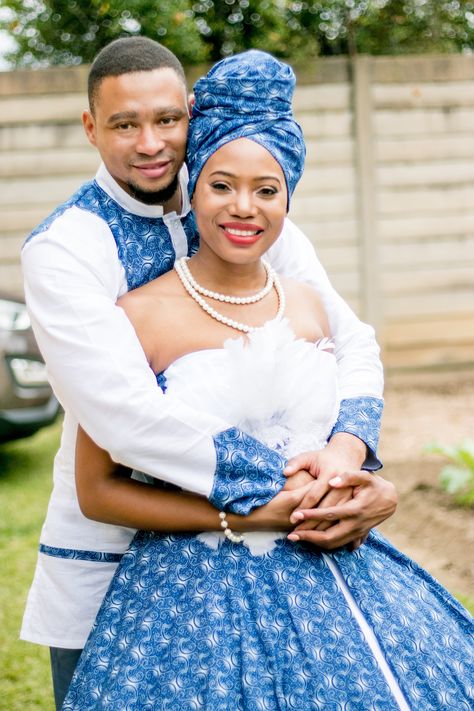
(27, 402)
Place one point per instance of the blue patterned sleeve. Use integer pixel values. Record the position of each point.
(362, 416)
(248, 473)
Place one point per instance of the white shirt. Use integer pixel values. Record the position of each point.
(73, 277)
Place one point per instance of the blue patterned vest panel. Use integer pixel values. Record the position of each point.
(144, 244)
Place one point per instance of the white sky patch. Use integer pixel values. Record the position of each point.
(7, 43)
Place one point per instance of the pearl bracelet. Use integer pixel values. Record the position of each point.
(232, 537)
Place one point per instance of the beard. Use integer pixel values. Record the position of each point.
(154, 197)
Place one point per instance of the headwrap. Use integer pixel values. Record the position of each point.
(246, 96)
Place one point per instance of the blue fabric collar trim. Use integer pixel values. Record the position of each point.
(144, 244)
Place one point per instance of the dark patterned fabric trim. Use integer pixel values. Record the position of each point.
(73, 554)
(161, 380)
(144, 244)
(248, 473)
(362, 417)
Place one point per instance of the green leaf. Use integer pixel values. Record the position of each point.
(454, 479)
(466, 453)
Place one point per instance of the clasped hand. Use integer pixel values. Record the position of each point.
(329, 506)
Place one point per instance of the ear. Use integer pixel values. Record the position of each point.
(88, 122)
(191, 102)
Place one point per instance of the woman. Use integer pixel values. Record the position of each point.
(257, 621)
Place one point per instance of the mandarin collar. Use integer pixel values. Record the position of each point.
(129, 203)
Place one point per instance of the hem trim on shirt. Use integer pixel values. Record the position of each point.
(73, 554)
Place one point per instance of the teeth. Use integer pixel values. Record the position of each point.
(241, 233)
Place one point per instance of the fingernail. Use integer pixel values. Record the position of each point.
(293, 537)
(297, 516)
(335, 481)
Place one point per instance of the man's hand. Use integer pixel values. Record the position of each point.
(344, 453)
(374, 500)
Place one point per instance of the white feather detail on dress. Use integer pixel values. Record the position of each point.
(282, 391)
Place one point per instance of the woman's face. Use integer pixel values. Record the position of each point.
(240, 201)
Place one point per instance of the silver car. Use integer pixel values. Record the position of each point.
(27, 402)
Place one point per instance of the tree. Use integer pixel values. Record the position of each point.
(72, 31)
(386, 26)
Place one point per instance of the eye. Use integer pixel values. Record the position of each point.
(168, 120)
(220, 186)
(125, 126)
(268, 191)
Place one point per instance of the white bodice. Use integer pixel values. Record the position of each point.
(277, 388)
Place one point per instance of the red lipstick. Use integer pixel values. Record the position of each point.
(242, 233)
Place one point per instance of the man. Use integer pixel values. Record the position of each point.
(116, 233)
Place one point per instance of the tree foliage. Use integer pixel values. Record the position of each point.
(72, 31)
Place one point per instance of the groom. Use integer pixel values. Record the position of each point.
(116, 233)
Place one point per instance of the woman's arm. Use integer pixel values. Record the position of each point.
(106, 493)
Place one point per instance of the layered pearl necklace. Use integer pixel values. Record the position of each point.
(196, 292)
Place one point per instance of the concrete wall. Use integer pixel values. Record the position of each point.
(387, 197)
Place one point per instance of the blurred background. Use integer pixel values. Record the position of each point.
(388, 192)
(386, 100)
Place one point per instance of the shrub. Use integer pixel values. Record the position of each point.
(457, 478)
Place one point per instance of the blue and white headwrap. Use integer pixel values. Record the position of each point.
(246, 96)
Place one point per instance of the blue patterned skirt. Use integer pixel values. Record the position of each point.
(187, 628)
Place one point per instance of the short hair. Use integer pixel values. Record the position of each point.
(127, 55)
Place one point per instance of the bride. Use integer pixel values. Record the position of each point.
(257, 621)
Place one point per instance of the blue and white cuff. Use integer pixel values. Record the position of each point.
(248, 473)
(362, 417)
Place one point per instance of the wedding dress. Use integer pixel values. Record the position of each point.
(194, 622)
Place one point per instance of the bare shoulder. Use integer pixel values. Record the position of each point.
(154, 310)
(300, 291)
(305, 309)
(152, 298)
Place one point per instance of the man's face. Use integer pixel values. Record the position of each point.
(139, 127)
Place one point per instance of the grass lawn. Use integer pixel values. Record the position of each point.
(25, 484)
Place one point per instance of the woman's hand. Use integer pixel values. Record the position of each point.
(374, 499)
(275, 516)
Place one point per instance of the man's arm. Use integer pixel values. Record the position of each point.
(360, 373)
(106, 493)
(100, 373)
(354, 439)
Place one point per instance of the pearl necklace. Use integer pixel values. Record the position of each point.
(225, 297)
(243, 327)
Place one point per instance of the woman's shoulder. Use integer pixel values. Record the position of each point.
(304, 307)
(157, 291)
(154, 310)
(299, 290)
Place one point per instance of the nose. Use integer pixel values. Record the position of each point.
(243, 203)
(150, 141)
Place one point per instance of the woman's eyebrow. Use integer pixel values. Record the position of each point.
(232, 175)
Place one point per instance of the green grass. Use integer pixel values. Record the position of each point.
(468, 602)
(25, 485)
